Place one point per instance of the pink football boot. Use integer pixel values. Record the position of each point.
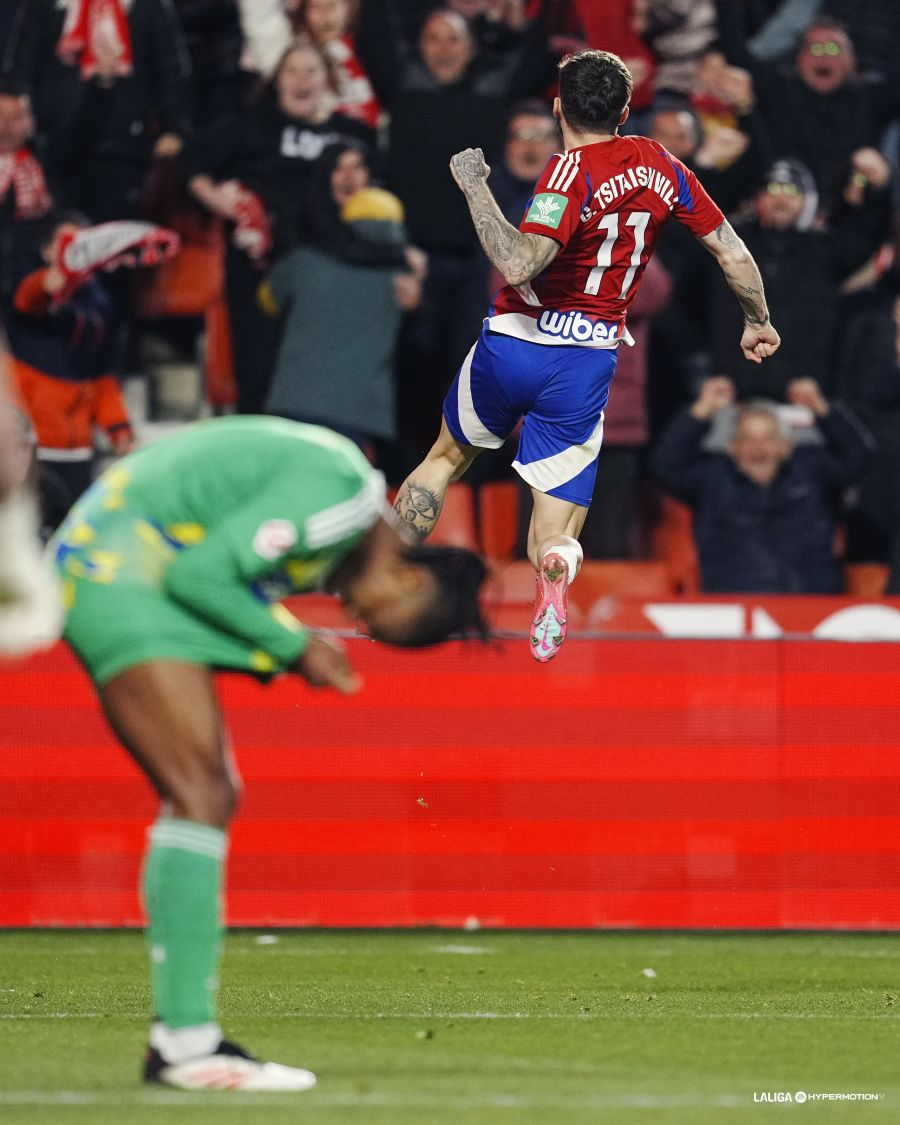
(548, 629)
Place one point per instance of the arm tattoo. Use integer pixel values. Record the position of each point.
(418, 506)
(518, 257)
(470, 169)
(725, 234)
(742, 275)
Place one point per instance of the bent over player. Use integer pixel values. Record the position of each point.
(547, 352)
(172, 565)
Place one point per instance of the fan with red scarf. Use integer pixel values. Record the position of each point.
(81, 253)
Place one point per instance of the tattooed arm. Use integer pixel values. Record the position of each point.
(760, 339)
(516, 256)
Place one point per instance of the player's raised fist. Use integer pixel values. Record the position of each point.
(469, 168)
(759, 341)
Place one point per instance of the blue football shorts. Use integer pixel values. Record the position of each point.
(558, 391)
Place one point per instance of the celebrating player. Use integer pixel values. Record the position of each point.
(548, 348)
(172, 565)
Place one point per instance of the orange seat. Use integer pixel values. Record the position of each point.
(498, 518)
(672, 542)
(865, 580)
(513, 584)
(456, 526)
(642, 580)
(509, 599)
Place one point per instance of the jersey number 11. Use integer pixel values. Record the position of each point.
(637, 220)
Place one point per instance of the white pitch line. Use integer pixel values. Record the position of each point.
(640, 1013)
(372, 1100)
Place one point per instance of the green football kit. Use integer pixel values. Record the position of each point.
(183, 549)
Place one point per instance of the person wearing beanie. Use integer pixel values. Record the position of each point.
(789, 245)
(325, 373)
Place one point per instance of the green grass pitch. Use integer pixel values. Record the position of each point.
(445, 1027)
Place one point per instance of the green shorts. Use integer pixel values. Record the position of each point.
(113, 627)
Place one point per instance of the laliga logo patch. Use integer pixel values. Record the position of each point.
(274, 538)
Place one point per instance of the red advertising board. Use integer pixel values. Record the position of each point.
(648, 782)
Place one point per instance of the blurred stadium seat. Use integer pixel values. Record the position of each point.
(457, 526)
(672, 542)
(865, 580)
(641, 580)
(498, 516)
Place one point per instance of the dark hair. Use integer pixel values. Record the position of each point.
(531, 107)
(455, 612)
(829, 23)
(13, 88)
(266, 93)
(594, 88)
(41, 232)
(299, 18)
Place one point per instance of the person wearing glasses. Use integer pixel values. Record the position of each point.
(803, 265)
(821, 110)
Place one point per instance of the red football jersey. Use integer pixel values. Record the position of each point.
(604, 203)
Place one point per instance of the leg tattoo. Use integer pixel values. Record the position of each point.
(418, 507)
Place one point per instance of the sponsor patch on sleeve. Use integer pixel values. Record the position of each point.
(274, 538)
(547, 208)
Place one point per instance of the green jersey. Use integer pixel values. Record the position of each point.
(224, 518)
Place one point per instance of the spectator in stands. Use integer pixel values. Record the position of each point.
(10, 13)
(678, 32)
(31, 610)
(330, 24)
(108, 96)
(802, 267)
(876, 32)
(443, 95)
(325, 374)
(615, 26)
(721, 95)
(532, 137)
(215, 43)
(763, 514)
(611, 528)
(23, 188)
(262, 163)
(723, 157)
(679, 337)
(61, 349)
(821, 111)
(876, 522)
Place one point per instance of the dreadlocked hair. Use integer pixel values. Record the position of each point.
(456, 612)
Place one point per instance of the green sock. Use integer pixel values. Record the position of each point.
(182, 896)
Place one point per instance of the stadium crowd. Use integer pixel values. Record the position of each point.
(329, 270)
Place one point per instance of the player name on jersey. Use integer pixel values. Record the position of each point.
(604, 204)
(640, 176)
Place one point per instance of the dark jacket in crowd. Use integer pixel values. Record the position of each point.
(821, 130)
(777, 539)
(274, 155)
(875, 29)
(431, 122)
(78, 118)
(801, 270)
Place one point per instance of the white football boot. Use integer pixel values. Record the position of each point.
(227, 1068)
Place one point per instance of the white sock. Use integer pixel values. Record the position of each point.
(178, 1045)
(571, 554)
